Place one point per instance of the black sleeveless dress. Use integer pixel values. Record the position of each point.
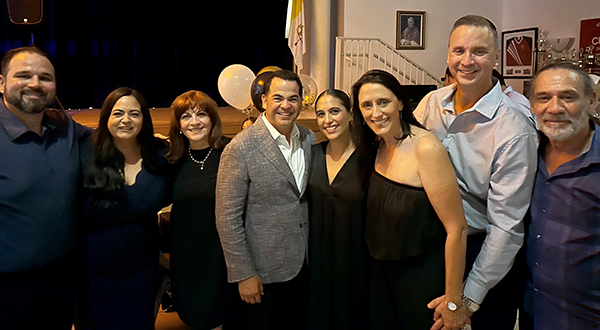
(406, 239)
(339, 260)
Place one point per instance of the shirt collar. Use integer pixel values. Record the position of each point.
(275, 133)
(592, 156)
(487, 105)
(15, 128)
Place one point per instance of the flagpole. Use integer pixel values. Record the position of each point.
(288, 18)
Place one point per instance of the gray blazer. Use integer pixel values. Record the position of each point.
(262, 217)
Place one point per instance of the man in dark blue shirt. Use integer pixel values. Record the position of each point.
(563, 239)
(39, 172)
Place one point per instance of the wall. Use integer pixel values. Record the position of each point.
(377, 19)
(561, 18)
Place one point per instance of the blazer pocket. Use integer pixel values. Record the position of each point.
(266, 244)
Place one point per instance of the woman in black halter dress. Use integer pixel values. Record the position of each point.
(416, 230)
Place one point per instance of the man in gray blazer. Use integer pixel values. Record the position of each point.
(262, 213)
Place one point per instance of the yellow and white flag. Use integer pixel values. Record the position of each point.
(294, 30)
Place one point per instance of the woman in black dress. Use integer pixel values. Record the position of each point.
(416, 229)
(338, 255)
(123, 189)
(201, 294)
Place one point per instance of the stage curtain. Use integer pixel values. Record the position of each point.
(161, 48)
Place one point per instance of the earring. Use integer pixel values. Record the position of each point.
(180, 132)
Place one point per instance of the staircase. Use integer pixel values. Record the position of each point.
(355, 56)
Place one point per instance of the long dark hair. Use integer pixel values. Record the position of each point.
(356, 128)
(104, 176)
(390, 82)
(184, 102)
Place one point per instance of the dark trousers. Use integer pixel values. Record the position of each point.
(39, 298)
(284, 305)
(499, 308)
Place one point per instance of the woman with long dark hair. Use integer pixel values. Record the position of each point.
(201, 295)
(416, 229)
(337, 190)
(123, 189)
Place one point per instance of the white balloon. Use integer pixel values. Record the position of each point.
(234, 85)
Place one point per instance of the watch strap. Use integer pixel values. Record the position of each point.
(471, 305)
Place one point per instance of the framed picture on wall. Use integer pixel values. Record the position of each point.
(518, 53)
(410, 30)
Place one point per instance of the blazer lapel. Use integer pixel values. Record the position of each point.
(268, 147)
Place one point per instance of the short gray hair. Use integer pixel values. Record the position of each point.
(588, 84)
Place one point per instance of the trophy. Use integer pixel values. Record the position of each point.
(541, 49)
(590, 59)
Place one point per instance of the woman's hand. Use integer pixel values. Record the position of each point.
(446, 319)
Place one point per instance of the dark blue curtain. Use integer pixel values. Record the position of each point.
(161, 48)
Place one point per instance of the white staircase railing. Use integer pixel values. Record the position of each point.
(355, 56)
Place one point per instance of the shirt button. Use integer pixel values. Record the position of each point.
(536, 263)
(547, 182)
(535, 289)
(538, 236)
(543, 210)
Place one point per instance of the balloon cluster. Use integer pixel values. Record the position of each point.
(240, 88)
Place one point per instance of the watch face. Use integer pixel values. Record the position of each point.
(452, 306)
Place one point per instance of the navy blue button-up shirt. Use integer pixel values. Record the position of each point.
(38, 189)
(563, 244)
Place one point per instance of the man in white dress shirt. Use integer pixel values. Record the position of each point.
(262, 212)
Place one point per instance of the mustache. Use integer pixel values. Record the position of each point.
(40, 94)
(33, 90)
(561, 117)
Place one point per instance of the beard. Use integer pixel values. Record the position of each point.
(567, 132)
(27, 105)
